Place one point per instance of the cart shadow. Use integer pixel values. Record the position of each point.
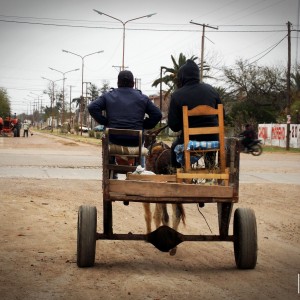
(152, 267)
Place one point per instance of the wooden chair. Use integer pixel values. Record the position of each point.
(187, 172)
(112, 151)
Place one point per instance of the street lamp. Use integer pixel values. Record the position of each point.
(63, 104)
(52, 101)
(82, 68)
(124, 24)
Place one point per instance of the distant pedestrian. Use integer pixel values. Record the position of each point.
(25, 129)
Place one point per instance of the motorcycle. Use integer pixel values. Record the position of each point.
(254, 148)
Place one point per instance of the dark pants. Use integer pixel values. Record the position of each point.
(25, 133)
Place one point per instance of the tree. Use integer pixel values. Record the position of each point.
(170, 77)
(295, 95)
(105, 86)
(4, 103)
(258, 94)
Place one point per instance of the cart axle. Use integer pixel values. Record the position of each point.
(165, 238)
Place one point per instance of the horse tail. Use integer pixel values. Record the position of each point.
(182, 212)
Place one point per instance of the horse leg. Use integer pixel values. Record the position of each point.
(147, 211)
(157, 215)
(178, 214)
(161, 215)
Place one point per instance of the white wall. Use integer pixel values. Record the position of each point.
(275, 134)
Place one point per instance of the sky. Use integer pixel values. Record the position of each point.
(33, 34)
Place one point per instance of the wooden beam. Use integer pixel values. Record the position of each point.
(168, 190)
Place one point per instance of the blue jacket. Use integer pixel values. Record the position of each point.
(126, 108)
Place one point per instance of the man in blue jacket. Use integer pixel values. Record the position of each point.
(126, 108)
(192, 93)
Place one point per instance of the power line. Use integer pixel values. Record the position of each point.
(148, 23)
(271, 48)
(133, 29)
(267, 51)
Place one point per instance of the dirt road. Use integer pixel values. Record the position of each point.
(38, 222)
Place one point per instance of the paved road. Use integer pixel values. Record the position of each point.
(42, 156)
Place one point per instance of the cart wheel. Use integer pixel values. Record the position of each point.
(86, 236)
(245, 238)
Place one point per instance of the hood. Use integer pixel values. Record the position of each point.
(188, 73)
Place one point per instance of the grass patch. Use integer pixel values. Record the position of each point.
(280, 150)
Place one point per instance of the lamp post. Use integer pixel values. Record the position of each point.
(124, 24)
(82, 68)
(63, 103)
(52, 101)
(71, 119)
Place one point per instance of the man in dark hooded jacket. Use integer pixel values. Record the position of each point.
(192, 93)
(126, 108)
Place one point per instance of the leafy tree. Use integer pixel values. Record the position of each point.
(295, 95)
(258, 94)
(93, 91)
(105, 87)
(4, 103)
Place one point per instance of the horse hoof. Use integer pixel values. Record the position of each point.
(172, 252)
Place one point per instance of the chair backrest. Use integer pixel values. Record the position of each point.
(204, 110)
(110, 150)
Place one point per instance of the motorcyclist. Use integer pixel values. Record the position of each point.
(249, 136)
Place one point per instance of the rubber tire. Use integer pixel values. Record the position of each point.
(86, 236)
(245, 238)
(256, 150)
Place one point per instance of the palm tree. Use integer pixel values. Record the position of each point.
(170, 77)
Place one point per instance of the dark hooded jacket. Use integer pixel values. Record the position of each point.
(192, 93)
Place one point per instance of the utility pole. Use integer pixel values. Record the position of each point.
(70, 112)
(120, 68)
(86, 101)
(288, 89)
(202, 45)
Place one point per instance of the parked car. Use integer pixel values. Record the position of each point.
(99, 128)
(84, 128)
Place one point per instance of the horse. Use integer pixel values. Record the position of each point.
(159, 161)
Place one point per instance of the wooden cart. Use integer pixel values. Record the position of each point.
(175, 188)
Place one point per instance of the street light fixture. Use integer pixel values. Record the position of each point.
(124, 24)
(63, 104)
(52, 101)
(82, 68)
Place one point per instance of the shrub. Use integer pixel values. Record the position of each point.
(92, 133)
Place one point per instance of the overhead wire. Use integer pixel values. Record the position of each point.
(133, 29)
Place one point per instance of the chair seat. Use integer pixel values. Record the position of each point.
(195, 147)
(125, 150)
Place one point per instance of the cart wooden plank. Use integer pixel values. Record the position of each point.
(168, 190)
(168, 200)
